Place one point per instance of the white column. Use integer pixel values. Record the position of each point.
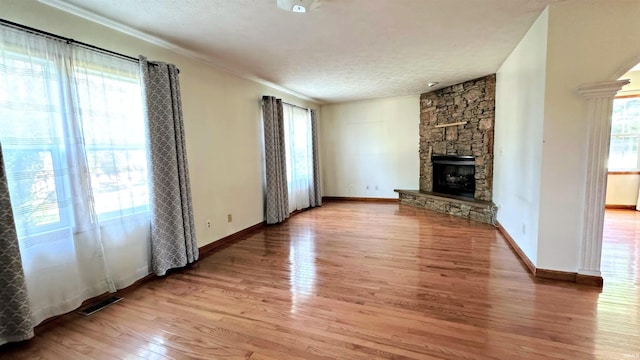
(599, 98)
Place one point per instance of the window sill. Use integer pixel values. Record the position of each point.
(625, 172)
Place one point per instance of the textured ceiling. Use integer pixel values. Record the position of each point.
(346, 50)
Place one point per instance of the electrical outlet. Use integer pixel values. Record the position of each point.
(229, 218)
(376, 187)
(209, 224)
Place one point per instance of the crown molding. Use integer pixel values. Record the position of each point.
(99, 19)
(93, 17)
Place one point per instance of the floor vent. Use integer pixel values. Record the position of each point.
(94, 308)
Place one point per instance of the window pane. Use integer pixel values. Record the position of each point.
(32, 185)
(623, 153)
(30, 134)
(301, 145)
(111, 108)
(28, 98)
(625, 134)
(110, 104)
(299, 157)
(119, 180)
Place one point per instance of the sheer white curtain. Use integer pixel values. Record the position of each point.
(72, 132)
(299, 154)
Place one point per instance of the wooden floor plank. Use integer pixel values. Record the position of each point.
(365, 281)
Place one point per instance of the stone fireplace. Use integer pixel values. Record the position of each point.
(456, 125)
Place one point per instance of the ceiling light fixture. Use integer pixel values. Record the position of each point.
(432, 84)
(298, 6)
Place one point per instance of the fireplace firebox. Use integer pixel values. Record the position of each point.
(454, 175)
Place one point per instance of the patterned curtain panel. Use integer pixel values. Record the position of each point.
(277, 199)
(315, 196)
(173, 238)
(15, 314)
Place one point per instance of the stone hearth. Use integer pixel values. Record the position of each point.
(478, 210)
(457, 120)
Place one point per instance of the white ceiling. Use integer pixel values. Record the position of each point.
(346, 50)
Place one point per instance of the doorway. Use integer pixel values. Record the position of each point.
(621, 232)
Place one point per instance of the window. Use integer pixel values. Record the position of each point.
(60, 121)
(73, 140)
(625, 134)
(299, 155)
(114, 137)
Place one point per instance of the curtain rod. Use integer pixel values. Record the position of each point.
(294, 105)
(65, 39)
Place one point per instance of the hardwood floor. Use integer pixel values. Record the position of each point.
(621, 247)
(361, 281)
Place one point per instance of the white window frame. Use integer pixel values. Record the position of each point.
(636, 135)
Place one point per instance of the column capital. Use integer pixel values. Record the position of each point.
(601, 89)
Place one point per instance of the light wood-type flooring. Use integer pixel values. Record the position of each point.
(357, 281)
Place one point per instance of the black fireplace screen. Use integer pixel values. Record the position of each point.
(454, 175)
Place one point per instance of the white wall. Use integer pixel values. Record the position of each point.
(589, 41)
(520, 86)
(622, 189)
(222, 120)
(370, 144)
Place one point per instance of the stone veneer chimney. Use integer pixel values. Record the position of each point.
(471, 103)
